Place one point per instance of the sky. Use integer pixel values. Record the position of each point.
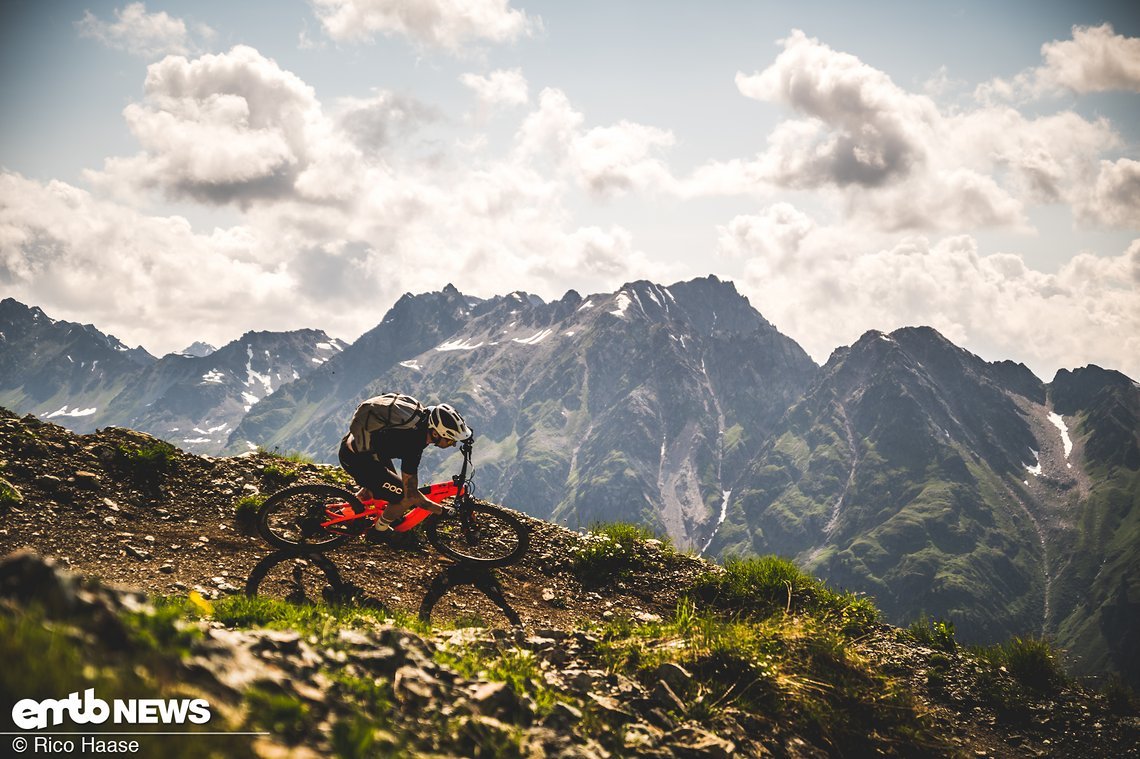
(182, 171)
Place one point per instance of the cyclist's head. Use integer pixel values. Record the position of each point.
(446, 422)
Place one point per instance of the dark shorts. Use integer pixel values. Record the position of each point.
(368, 472)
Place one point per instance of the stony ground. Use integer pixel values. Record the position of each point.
(180, 533)
(96, 513)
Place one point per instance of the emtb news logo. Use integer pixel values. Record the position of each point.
(29, 714)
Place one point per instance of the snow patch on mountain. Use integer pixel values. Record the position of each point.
(75, 412)
(1035, 469)
(537, 337)
(1059, 422)
(459, 344)
(725, 495)
(253, 376)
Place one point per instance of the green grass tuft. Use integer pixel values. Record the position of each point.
(294, 456)
(149, 461)
(933, 633)
(282, 714)
(800, 672)
(9, 494)
(612, 550)
(763, 586)
(1033, 662)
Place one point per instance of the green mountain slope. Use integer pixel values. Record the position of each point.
(947, 486)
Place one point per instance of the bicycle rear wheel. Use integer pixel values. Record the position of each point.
(292, 518)
(489, 536)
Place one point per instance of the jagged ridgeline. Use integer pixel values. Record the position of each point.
(905, 467)
(641, 405)
(77, 376)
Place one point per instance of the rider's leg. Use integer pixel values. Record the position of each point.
(365, 471)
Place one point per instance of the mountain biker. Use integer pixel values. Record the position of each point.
(368, 449)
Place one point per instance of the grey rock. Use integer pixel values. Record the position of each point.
(664, 697)
(563, 716)
(137, 553)
(694, 743)
(413, 686)
(675, 676)
(611, 709)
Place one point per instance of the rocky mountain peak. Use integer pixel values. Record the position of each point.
(197, 349)
(1076, 390)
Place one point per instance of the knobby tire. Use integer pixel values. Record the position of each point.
(501, 539)
(291, 518)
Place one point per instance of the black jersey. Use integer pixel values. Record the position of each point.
(405, 445)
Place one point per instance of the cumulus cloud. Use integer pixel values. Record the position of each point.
(770, 239)
(236, 128)
(449, 25)
(864, 130)
(1096, 59)
(826, 293)
(897, 162)
(332, 210)
(54, 252)
(232, 127)
(1115, 197)
(375, 122)
(146, 34)
(501, 87)
(604, 160)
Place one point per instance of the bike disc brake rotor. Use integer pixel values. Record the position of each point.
(301, 519)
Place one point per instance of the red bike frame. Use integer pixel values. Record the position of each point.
(340, 514)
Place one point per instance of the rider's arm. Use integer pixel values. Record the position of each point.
(412, 494)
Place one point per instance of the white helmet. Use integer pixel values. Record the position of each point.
(447, 422)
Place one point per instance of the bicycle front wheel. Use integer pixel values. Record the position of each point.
(295, 518)
(487, 535)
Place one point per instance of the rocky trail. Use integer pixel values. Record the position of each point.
(99, 507)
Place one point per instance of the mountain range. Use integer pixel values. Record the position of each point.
(77, 376)
(904, 467)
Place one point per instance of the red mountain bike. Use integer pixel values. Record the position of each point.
(317, 518)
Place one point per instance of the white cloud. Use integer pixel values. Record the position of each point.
(449, 25)
(56, 245)
(863, 130)
(140, 33)
(770, 239)
(604, 160)
(1096, 59)
(372, 124)
(897, 162)
(337, 220)
(824, 290)
(1115, 197)
(232, 127)
(500, 87)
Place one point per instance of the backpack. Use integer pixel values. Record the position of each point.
(390, 411)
